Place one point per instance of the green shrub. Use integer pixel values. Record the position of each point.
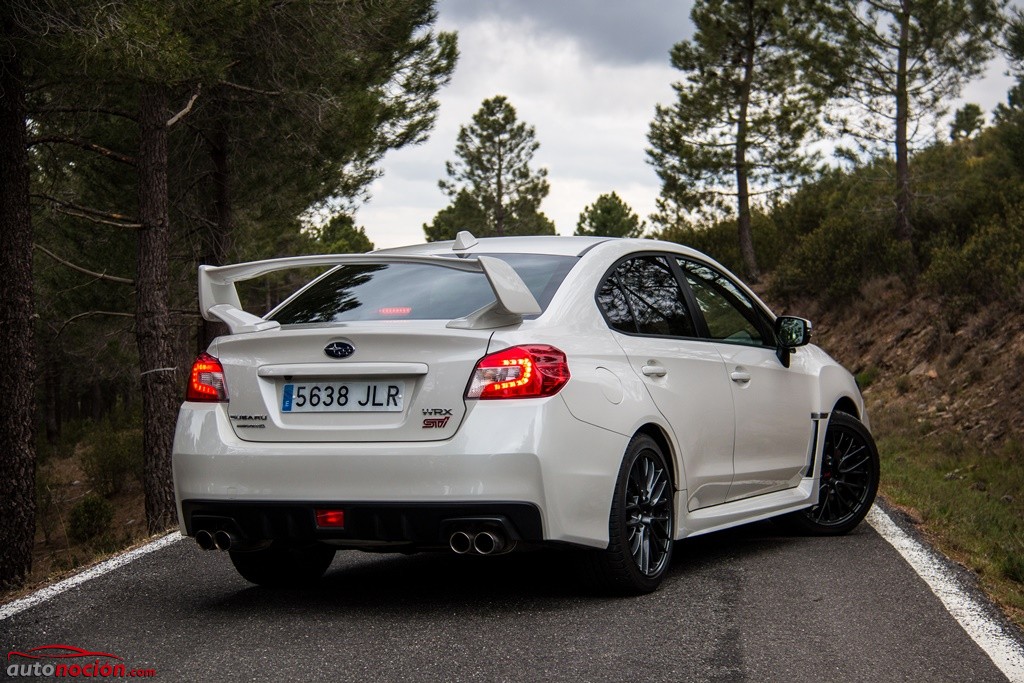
(721, 241)
(838, 258)
(867, 377)
(989, 266)
(111, 457)
(1011, 566)
(90, 517)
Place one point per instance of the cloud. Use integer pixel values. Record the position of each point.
(611, 32)
(586, 75)
(590, 115)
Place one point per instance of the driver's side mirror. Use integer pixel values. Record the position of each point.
(791, 332)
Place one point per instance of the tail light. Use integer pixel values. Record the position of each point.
(530, 371)
(206, 383)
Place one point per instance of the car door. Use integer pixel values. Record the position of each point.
(773, 404)
(643, 303)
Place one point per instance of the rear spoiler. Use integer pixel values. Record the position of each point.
(218, 298)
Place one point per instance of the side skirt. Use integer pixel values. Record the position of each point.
(736, 513)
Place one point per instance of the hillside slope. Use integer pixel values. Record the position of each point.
(961, 371)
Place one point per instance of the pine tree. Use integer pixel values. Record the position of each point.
(464, 213)
(341, 236)
(906, 59)
(17, 447)
(493, 174)
(609, 216)
(332, 86)
(968, 120)
(1013, 40)
(749, 100)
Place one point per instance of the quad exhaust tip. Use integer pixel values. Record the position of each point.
(487, 543)
(218, 540)
(224, 540)
(205, 540)
(482, 543)
(461, 542)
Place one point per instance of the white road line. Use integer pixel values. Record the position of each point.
(1005, 652)
(44, 594)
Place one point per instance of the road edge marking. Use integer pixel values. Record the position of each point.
(43, 594)
(1004, 650)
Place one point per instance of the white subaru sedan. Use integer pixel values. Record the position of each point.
(608, 396)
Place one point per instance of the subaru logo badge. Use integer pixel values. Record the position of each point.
(339, 349)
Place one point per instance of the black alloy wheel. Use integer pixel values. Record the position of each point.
(648, 513)
(848, 481)
(641, 523)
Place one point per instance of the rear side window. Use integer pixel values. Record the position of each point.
(642, 296)
(412, 291)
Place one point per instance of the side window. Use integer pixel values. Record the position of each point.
(729, 313)
(642, 296)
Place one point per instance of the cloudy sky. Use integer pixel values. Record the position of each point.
(586, 74)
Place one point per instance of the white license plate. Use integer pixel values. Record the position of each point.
(343, 397)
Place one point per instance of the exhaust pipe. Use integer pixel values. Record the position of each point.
(487, 543)
(205, 540)
(460, 542)
(224, 540)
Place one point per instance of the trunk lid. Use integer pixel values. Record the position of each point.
(396, 381)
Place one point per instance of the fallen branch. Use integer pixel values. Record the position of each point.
(95, 215)
(89, 314)
(89, 146)
(245, 88)
(80, 269)
(188, 107)
(83, 110)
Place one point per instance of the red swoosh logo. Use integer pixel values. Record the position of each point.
(58, 652)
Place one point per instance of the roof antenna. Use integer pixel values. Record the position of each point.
(464, 240)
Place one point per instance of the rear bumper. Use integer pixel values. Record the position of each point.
(422, 526)
(529, 460)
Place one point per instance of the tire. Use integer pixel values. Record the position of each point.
(641, 524)
(282, 566)
(847, 484)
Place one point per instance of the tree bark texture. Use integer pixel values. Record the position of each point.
(904, 229)
(743, 223)
(219, 147)
(153, 330)
(17, 372)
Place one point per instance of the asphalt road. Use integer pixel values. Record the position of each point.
(743, 605)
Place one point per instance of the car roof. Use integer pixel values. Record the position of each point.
(556, 245)
(541, 244)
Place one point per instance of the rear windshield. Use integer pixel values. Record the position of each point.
(412, 291)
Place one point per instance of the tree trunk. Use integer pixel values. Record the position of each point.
(499, 211)
(153, 331)
(17, 373)
(743, 222)
(219, 235)
(904, 230)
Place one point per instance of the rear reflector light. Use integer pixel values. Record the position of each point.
(333, 519)
(530, 371)
(206, 383)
